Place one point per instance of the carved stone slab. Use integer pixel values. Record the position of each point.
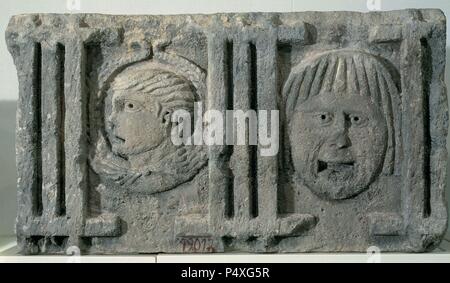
(362, 132)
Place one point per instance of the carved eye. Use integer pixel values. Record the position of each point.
(357, 120)
(131, 106)
(324, 118)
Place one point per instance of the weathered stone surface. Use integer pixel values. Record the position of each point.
(363, 127)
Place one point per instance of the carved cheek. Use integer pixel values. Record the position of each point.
(128, 127)
(377, 134)
(360, 136)
(147, 128)
(367, 144)
(112, 118)
(308, 129)
(306, 149)
(122, 118)
(319, 136)
(152, 124)
(303, 137)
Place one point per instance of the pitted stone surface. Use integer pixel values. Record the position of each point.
(363, 125)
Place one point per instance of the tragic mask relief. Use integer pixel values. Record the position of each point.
(341, 122)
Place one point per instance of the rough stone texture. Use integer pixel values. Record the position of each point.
(363, 115)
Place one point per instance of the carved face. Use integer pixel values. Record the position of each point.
(338, 143)
(135, 126)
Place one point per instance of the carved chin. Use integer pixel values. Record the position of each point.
(118, 148)
(126, 150)
(336, 180)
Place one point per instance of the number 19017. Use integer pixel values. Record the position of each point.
(196, 244)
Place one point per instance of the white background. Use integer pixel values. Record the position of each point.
(8, 79)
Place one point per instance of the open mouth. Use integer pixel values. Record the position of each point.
(335, 166)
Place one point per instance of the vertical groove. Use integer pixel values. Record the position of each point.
(253, 148)
(37, 97)
(285, 197)
(426, 73)
(61, 196)
(89, 76)
(229, 210)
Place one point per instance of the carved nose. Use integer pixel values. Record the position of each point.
(340, 137)
(341, 141)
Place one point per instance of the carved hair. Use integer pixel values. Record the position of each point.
(349, 72)
(174, 83)
(170, 90)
